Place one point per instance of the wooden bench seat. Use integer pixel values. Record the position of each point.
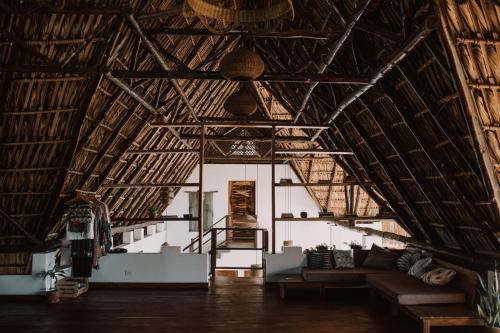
(296, 281)
(443, 315)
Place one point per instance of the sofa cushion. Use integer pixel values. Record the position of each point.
(380, 258)
(407, 260)
(343, 258)
(339, 275)
(438, 276)
(406, 290)
(420, 267)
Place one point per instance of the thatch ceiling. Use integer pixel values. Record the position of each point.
(68, 123)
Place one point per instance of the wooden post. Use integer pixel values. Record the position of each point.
(273, 194)
(200, 190)
(213, 252)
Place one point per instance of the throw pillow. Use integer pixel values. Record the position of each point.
(380, 258)
(343, 258)
(407, 260)
(420, 267)
(438, 276)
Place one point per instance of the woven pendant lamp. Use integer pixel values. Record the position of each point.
(241, 103)
(237, 12)
(241, 65)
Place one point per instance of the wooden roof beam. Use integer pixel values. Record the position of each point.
(289, 34)
(66, 10)
(396, 57)
(161, 151)
(346, 165)
(233, 123)
(255, 138)
(331, 55)
(35, 240)
(185, 74)
(410, 167)
(53, 206)
(156, 54)
(416, 228)
(433, 155)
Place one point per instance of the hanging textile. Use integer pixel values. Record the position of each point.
(88, 226)
(208, 210)
(79, 219)
(193, 210)
(81, 258)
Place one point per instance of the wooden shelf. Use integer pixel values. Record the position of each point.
(335, 218)
(321, 184)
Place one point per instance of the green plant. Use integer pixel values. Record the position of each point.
(154, 211)
(54, 274)
(489, 301)
(320, 248)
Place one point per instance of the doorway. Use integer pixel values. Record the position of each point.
(241, 212)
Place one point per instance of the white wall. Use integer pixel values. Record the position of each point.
(168, 266)
(289, 261)
(149, 244)
(288, 199)
(29, 284)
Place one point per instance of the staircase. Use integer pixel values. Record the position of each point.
(220, 239)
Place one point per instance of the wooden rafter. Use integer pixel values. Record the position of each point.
(334, 49)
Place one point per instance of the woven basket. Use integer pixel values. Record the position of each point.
(241, 65)
(210, 9)
(241, 104)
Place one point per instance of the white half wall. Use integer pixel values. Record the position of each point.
(289, 261)
(149, 243)
(32, 284)
(168, 266)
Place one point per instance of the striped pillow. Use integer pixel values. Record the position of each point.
(438, 276)
(420, 267)
(407, 260)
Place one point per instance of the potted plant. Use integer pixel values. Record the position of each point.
(53, 274)
(489, 303)
(355, 245)
(319, 257)
(154, 212)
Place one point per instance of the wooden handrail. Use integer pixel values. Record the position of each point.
(205, 233)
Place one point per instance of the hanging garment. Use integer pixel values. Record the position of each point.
(107, 239)
(81, 258)
(79, 219)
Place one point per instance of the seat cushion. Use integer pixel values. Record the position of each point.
(406, 290)
(339, 275)
(380, 258)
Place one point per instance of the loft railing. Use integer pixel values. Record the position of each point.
(195, 240)
(215, 246)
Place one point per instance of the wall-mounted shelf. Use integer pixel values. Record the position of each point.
(335, 218)
(321, 184)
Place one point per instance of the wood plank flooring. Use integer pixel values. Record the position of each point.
(232, 305)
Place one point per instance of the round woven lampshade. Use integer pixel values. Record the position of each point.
(241, 65)
(241, 14)
(241, 104)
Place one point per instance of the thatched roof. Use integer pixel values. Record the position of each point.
(80, 88)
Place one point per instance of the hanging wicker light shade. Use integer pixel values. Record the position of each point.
(228, 14)
(241, 65)
(167, 195)
(241, 103)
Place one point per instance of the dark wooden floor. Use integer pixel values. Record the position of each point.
(230, 306)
